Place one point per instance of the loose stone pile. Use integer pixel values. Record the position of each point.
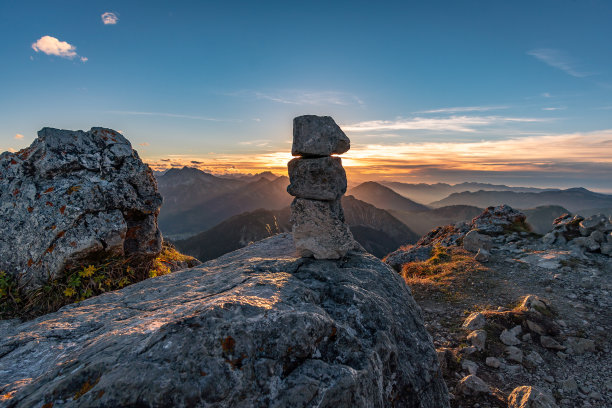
(318, 181)
(593, 234)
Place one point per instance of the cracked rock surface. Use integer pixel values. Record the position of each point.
(72, 195)
(257, 327)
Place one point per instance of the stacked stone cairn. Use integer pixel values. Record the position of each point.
(318, 181)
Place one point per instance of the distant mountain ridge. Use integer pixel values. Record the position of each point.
(384, 197)
(428, 193)
(375, 229)
(574, 199)
(195, 201)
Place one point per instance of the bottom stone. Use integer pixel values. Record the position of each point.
(319, 229)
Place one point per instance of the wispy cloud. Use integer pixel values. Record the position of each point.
(448, 124)
(256, 142)
(52, 46)
(566, 158)
(109, 18)
(144, 144)
(464, 109)
(560, 60)
(554, 108)
(301, 97)
(173, 115)
(18, 136)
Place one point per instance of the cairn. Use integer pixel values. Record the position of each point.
(318, 182)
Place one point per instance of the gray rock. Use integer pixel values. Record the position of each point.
(469, 366)
(550, 343)
(606, 248)
(256, 327)
(412, 253)
(478, 339)
(498, 220)
(472, 386)
(319, 229)
(322, 178)
(530, 397)
(508, 337)
(597, 236)
(534, 359)
(514, 354)
(492, 362)
(318, 136)
(579, 345)
(549, 238)
(590, 224)
(74, 195)
(474, 321)
(473, 241)
(569, 385)
(482, 255)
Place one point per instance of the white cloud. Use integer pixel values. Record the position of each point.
(560, 60)
(555, 108)
(464, 109)
(109, 18)
(18, 136)
(84, 59)
(449, 124)
(52, 46)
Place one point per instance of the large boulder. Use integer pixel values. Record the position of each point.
(257, 327)
(73, 196)
(322, 178)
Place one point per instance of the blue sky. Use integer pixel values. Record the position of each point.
(446, 90)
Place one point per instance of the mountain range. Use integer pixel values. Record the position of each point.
(375, 229)
(574, 199)
(427, 193)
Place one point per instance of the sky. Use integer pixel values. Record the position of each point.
(515, 92)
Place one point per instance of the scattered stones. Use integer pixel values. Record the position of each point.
(318, 136)
(474, 321)
(550, 343)
(508, 337)
(492, 362)
(590, 234)
(478, 339)
(318, 182)
(514, 354)
(472, 385)
(530, 397)
(72, 196)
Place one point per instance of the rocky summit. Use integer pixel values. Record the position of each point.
(257, 327)
(72, 196)
(318, 183)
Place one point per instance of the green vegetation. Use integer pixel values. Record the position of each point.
(85, 281)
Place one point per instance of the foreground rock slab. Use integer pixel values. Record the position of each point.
(257, 327)
(73, 195)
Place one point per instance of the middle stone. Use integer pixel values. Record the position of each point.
(322, 178)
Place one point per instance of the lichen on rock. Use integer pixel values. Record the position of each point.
(74, 196)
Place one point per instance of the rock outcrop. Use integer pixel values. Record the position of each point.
(477, 236)
(72, 196)
(318, 182)
(592, 234)
(257, 327)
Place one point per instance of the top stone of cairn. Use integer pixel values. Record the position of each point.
(316, 136)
